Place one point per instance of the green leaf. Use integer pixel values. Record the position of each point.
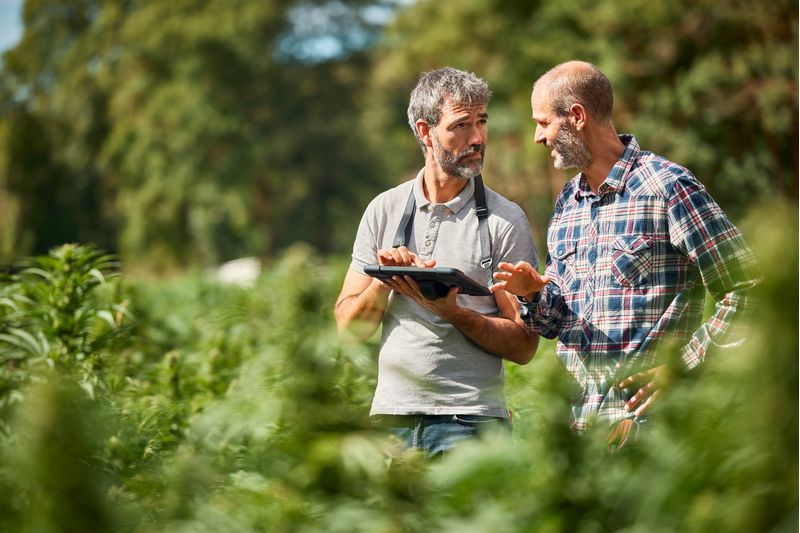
(97, 275)
(24, 340)
(106, 316)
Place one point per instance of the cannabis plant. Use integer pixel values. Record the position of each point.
(60, 312)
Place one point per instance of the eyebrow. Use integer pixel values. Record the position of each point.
(466, 116)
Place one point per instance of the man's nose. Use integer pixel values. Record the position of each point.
(477, 137)
(538, 136)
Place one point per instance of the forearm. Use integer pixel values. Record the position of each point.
(361, 313)
(497, 335)
(726, 328)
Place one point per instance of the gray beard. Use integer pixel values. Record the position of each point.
(452, 163)
(571, 151)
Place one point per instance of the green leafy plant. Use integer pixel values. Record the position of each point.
(61, 311)
(228, 408)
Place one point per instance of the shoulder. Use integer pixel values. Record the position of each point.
(655, 175)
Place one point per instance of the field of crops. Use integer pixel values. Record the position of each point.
(183, 404)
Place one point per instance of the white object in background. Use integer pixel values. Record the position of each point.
(242, 272)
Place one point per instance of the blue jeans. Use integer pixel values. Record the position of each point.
(436, 434)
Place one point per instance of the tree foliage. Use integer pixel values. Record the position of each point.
(186, 132)
(175, 132)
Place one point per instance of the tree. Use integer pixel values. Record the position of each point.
(53, 112)
(185, 132)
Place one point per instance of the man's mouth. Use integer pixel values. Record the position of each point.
(473, 155)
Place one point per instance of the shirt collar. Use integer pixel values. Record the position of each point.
(618, 176)
(455, 205)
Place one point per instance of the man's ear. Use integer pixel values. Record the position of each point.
(424, 131)
(578, 116)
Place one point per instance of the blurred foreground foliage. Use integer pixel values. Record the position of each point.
(186, 405)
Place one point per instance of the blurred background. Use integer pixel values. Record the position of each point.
(186, 133)
(163, 138)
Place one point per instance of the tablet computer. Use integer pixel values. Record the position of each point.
(433, 282)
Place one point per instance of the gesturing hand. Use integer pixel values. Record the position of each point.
(520, 279)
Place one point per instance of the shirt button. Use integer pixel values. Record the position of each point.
(433, 224)
(427, 243)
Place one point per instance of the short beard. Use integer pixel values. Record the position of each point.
(571, 151)
(453, 164)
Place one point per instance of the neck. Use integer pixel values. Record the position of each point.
(606, 149)
(438, 186)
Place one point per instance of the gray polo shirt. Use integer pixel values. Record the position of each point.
(425, 365)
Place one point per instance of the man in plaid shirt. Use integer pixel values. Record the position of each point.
(633, 243)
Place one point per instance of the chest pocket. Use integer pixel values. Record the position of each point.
(631, 260)
(565, 256)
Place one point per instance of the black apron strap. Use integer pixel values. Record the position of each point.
(483, 227)
(403, 235)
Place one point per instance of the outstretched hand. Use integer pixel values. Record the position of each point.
(520, 279)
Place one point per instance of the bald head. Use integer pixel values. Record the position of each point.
(577, 82)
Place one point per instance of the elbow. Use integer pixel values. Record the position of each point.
(523, 358)
(525, 355)
(353, 327)
(342, 322)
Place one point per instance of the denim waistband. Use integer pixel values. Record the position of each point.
(412, 420)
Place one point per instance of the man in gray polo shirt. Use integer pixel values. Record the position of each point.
(440, 370)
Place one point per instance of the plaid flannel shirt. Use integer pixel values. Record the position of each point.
(628, 268)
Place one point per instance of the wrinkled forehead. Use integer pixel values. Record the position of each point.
(453, 108)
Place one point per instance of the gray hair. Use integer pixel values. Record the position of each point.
(436, 86)
(579, 82)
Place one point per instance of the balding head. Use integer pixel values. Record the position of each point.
(577, 82)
